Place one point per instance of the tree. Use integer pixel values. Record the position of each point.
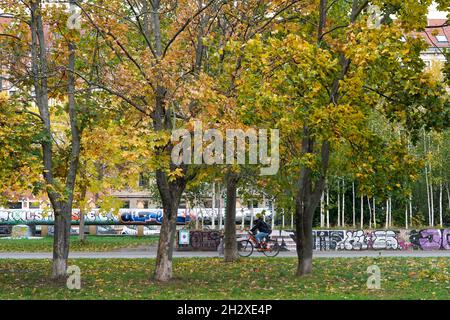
(323, 88)
(41, 57)
(156, 52)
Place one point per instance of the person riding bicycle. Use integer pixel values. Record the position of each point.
(262, 227)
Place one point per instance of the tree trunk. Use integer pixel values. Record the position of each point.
(163, 271)
(339, 204)
(390, 211)
(343, 203)
(273, 214)
(431, 202)
(374, 213)
(292, 220)
(370, 212)
(431, 187)
(362, 212)
(354, 205)
(448, 195)
(306, 202)
(170, 193)
(230, 253)
(410, 210)
(304, 235)
(81, 235)
(219, 207)
(387, 214)
(251, 214)
(322, 209)
(61, 238)
(83, 192)
(328, 207)
(426, 177)
(440, 206)
(406, 217)
(213, 204)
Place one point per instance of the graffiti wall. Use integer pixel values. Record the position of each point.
(124, 216)
(201, 240)
(351, 240)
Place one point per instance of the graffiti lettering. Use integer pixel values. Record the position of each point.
(202, 240)
(427, 239)
(354, 240)
(324, 240)
(430, 239)
(125, 216)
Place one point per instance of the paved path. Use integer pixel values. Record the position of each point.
(179, 254)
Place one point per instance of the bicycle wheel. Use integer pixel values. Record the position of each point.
(245, 248)
(272, 248)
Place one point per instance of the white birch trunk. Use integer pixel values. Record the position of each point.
(406, 217)
(448, 196)
(273, 215)
(322, 209)
(387, 214)
(390, 211)
(440, 206)
(252, 212)
(328, 206)
(213, 204)
(343, 203)
(362, 212)
(410, 210)
(354, 204)
(220, 206)
(292, 221)
(339, 204)
(374, 213)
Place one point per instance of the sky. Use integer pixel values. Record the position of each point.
(434, 14)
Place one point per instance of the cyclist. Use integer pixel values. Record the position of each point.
(262, 227)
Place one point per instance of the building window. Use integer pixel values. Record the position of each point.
(14, 205)
(142, 204)
(255, 203)
(441, 38)
(126, 204)
(143, 181)
(207, 203)
(34, 205)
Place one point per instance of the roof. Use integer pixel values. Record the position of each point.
(437, 33)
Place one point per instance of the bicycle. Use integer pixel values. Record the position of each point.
(267, 246)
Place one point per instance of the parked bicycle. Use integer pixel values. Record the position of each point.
(267, 246)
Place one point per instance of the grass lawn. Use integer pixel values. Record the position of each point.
(211, 278)
(93, 243)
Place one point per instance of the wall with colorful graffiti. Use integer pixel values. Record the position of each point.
(201, 240)
(353, 240)
(95, 216)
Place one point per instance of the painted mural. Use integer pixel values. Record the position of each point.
(201, 240)
(124, 216)
(354, 240)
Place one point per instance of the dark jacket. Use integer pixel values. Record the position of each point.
(261, 226)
